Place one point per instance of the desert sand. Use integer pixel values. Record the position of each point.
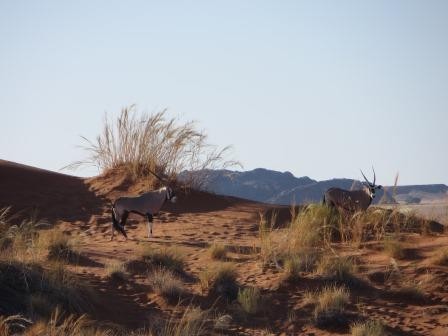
(81, 208)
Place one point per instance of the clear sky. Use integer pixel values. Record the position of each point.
(318, 88)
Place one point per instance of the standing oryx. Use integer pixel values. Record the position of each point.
(352, 200)
(146, 205)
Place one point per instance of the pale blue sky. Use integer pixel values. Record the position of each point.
(318, 88)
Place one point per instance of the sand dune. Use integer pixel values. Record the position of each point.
(81, 207)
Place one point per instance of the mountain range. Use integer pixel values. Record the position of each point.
(270, 186)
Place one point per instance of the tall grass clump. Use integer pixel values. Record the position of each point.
(145, 143)
(315, 226)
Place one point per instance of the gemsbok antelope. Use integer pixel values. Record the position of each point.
(352, 200)
(146, 205)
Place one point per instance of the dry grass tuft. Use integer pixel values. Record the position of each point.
(60, 246)
(144, 143)
(218, 251)
(220, 281)
(369, 328)
(339, 269)
(250, 300)
(116, 271)
(167, 257)
(393, 248)
(165, 283)
(330, 304)
(314, 226)
(411, 291)
(441, 257)
(296, 264)
(193, 322)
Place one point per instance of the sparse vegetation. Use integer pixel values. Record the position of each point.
(368, 328)
(218, 251)
(250, 300)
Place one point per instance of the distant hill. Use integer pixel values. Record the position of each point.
(270, 186)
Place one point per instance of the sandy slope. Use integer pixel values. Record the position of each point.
(81, 208)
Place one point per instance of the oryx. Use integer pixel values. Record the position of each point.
(352, 200)
(146, 205)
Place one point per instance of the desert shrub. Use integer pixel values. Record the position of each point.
(441, 257)
(165, 283)
(218, 251)
(368, 328)
(151, 143)
(220, 281)
(116, 271)
(250, 300)
(330, 305)
(167, 257)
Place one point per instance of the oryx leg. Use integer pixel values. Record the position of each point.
(124, 218)
(112, 226)
(150, 223)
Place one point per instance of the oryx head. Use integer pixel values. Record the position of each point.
(371, 187)
(171, 195)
